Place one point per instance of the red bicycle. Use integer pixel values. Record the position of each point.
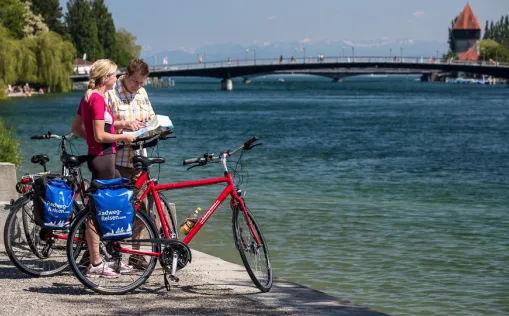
(149, 243)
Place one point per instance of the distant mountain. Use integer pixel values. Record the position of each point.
(383, 47)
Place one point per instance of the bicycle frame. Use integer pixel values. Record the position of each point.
(152, 188)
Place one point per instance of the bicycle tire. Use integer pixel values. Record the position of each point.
(126, 282)
(173, 220)
(24, 246)
(262, 277)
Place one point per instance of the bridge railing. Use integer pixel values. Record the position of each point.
(323, 60)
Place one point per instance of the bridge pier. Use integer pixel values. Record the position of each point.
(429, 77)
(226, 85)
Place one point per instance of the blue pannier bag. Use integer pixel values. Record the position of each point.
(114, 211)
(58, 205)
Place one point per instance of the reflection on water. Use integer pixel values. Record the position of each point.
(385, 191)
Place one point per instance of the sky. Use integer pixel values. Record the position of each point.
(161, 25)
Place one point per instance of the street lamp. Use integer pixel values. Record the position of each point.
(401, 53)
(304, 48)
(343, 49)
(353, 53)
(204, 60)
(254, 56)
(437, 54)
(390, 52)
(247, 51)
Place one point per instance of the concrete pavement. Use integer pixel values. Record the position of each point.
(208, 286)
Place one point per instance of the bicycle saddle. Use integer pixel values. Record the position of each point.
(40, 159)
(73, 161)
(147, 162)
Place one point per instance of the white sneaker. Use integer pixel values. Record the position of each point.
(102, 270)
(124, 267)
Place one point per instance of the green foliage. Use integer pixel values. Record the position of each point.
(34, 23)
(105, 29)
(451, 40)
(46, 59)
(498, 31)
(127, 48)
(82, 27)
(9, 146)
(11, 17)
(450, 54)
(8, 58)
(51, 12)
(3, 93)
(490, 49)
(55, 58)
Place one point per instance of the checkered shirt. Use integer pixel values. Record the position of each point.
(127, 106)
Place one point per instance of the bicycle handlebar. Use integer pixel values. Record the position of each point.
(248, 145)
(49, 135)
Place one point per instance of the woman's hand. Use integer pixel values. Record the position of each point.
(128, 138)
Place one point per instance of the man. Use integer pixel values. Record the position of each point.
(129, 103)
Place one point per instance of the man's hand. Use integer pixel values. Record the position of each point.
(133, 125)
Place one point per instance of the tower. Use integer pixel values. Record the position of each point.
(466, 32)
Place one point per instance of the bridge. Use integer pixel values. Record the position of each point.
(341, 66)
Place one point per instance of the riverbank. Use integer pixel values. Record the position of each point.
(208, 286)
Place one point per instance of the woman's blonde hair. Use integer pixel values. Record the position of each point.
(99, 70)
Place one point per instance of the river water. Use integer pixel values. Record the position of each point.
(388, 192)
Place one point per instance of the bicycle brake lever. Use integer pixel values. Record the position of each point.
(192, 167)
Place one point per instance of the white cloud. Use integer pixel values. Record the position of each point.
(307, 40)
(272, 18)
(418, 14)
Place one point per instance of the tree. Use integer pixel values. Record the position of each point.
(451, 40)
(51, 12)
(82, 27)
(9, 146)
(34, 23)
(55, 61)
(8, 60)
(127, 48)
(490, 49)
(486, 31)
(105, 29)
(11, 17)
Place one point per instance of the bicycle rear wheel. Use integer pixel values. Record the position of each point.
(167, 209)
(112, 252)
(27, 244)
(255, 256)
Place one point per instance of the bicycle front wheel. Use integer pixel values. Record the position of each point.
(252, 248)
(132, 270)
(27, 244)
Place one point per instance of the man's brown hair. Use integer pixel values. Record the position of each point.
(137, 65)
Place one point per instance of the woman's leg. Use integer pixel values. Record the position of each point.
(102, 168)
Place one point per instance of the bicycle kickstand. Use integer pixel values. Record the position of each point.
(172, 275)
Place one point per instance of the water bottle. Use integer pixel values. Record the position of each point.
(190, 221)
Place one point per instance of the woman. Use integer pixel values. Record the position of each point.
(94, 122)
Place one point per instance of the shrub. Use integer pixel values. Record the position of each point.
(9, 146)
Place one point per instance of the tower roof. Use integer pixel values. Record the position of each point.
(467, 20)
